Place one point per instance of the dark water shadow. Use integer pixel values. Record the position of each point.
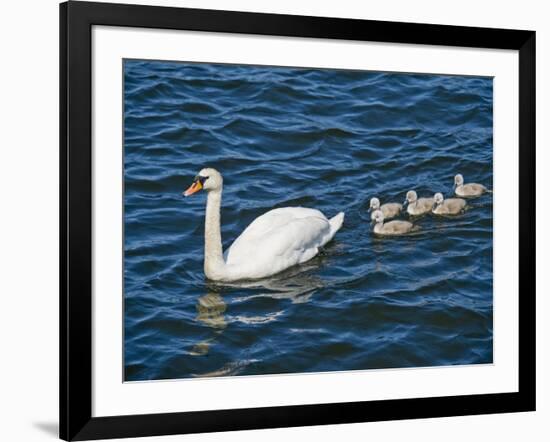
(49, 428)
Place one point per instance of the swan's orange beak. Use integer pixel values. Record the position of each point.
(193, 188)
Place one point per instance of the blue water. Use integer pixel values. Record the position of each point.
(327, 139)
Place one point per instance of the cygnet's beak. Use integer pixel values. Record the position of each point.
(405, 202)
(194, 188)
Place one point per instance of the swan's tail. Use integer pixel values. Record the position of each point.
(335, 223)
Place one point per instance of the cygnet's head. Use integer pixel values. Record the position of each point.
(374, 204)
(459, 180)
(378, 216)
(207, 179)
(411, 197)
(438, 198)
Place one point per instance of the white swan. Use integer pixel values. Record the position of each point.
(272, 243)
(449, 206)
(390, 228)
(418, 206)
(390, 210)
(468, 190)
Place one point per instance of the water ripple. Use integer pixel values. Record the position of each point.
(329, 139)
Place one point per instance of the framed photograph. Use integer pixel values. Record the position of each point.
(273, 220)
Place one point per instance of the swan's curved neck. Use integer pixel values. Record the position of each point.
(214, 265)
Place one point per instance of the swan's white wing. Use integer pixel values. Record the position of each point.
(278, 239)
(271, 221)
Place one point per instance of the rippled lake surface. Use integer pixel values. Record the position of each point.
(327, 139)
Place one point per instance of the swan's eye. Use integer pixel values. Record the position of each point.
(201, 178)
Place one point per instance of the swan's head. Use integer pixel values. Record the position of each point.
(411, 197)
(459, 180)
(374, 204)
(207, 179)
(378, 216)
(438, 198)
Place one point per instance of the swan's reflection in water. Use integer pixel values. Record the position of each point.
(297, 285)
(210, 311)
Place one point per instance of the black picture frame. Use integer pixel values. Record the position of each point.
(76, 21)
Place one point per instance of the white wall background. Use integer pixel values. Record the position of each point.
(29, 217)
